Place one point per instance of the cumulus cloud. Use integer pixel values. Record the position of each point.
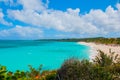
(9, 2)
(3, 0)
(96, 22)
(69, 21)
(20, 32)
(35, 5)
(2, 20)
(107, 21)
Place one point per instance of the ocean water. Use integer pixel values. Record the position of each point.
(17, 55)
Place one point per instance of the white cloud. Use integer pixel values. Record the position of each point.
(10, 2)
(2, 20)
(96, 22)
(69, 21)
(20, 32)
(118, 6)
(73, 12)
(3, 0)
(35, 5)
(106, 22)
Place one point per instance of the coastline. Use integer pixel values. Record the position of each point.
(105, 48)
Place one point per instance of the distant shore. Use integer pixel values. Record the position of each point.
(102, 47)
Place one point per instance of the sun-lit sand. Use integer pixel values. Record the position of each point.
(102, 47)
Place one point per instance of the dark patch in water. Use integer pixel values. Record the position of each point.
(8, 46)
(21, 43)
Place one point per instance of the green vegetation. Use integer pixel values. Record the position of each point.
(107, 41)
(32, 74)
(102, 40)
(103, 67)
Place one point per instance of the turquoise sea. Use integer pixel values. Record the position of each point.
(17, 55)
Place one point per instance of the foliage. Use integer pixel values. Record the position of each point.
(32, 74)
(101, 40)
(2, 72)
(103, 67)
(73, 69)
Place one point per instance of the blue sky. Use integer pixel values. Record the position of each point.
(38, 19)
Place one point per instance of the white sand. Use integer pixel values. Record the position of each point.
(102, 47)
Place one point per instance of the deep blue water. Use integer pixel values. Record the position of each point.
(51, 54)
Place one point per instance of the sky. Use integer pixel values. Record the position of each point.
(49, 19)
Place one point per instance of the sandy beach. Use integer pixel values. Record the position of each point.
(102, 47)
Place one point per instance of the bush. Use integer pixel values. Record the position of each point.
(73, 69)
(103, 67)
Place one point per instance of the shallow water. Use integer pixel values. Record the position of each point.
(51, 54)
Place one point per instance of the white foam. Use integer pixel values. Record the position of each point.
(92, 52)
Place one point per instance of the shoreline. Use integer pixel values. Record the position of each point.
(105, 48)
